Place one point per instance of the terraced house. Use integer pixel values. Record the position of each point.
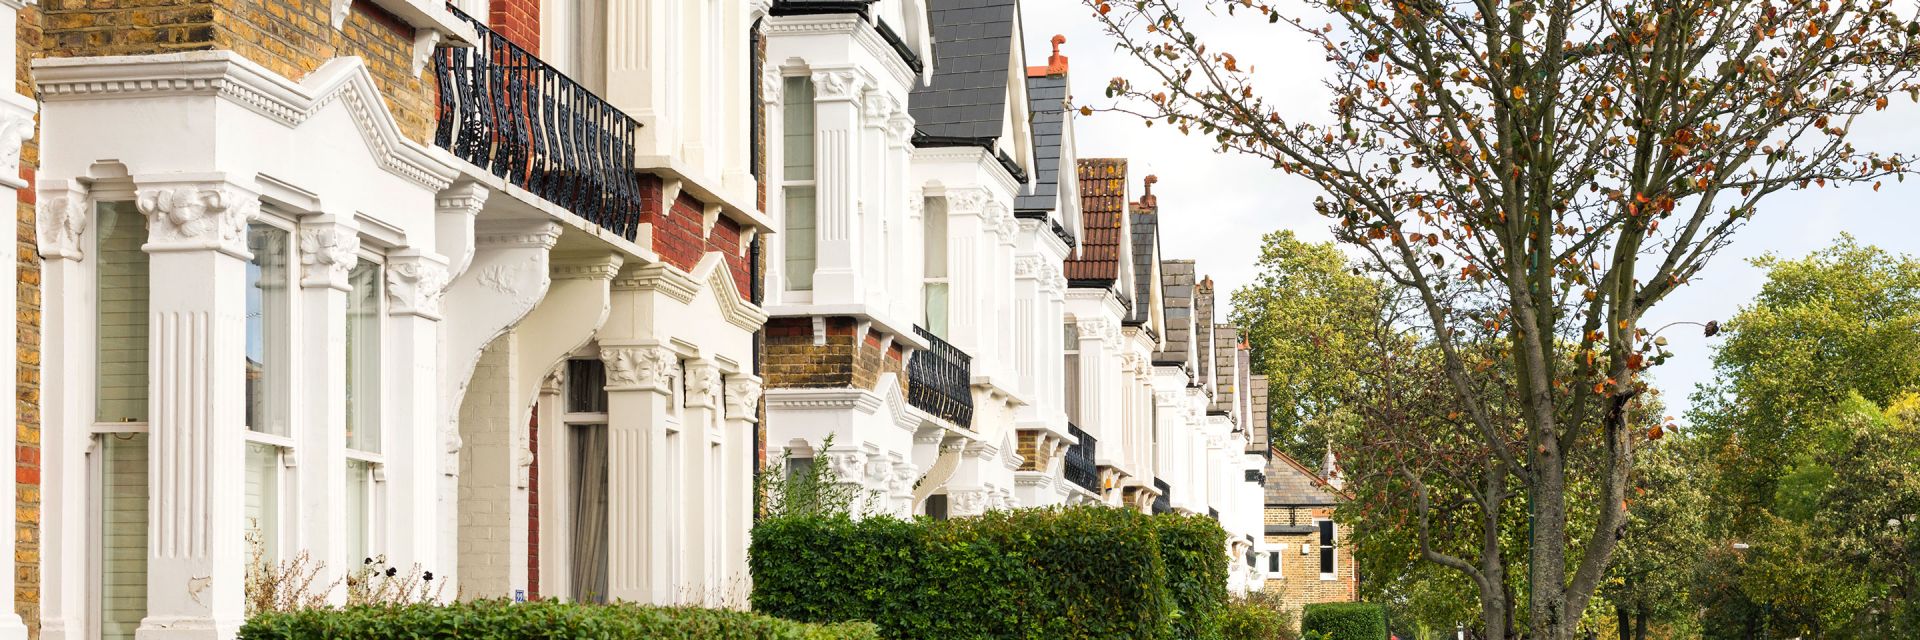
(524, 293)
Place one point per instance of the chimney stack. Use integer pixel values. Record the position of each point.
(1146, 199)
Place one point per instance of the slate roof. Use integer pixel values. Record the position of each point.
(1176, 295)
(1046, 99)
(1103, 200)
(1290, 483)
(972, 49)
(1146, 238)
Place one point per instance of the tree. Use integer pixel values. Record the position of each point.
(1310, 319)
(1549, 170)
(1651, 581)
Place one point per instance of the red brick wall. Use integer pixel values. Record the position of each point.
(677, 236)
(27, 323)
(533, 506)
(518, 20)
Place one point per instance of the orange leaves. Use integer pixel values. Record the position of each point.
(1519, 92)
(1104, 8)
(1655, 432)
(1880, 104)
(1229, 62)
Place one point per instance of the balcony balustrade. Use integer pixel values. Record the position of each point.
(510, 113)
(940, 381)
(1080, 468)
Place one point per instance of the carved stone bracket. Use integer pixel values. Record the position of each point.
(197, 216)
(61, 219)
(847, 466)
(1096, 328)
(966, 200)
(837, 85)
(328, 251)
(743, 397)
(416, 282)
(703, 384)
(16, 127)
(640, 368)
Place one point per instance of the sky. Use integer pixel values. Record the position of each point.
(1214, 208)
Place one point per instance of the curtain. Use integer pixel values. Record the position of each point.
(590, 513)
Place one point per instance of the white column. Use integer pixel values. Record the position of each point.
(742, 412)
(969, 328)
(64, 216)
(329, 248)
(902, 239)
(703, 484)
(1028, 330)
(416, 282)
(838, 174)
(196, 558)
(639, 390)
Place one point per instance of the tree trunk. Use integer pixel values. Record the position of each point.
(1626, 623)
(1640, 625)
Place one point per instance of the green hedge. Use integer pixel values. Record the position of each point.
(500, 619)
(1083, 572)
(1345, 620)
(1194, 548)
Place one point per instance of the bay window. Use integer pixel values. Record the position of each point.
(269, 294)
(119, 464)
(935, 286)
(365, 312)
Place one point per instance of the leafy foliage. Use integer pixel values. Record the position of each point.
(1345, 620)
(1082, 572)
(1310, 320)
(1259, 616)
(1541, 174)
(503, 619)
(804, 486)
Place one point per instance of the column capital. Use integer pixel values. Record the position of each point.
(704, 389)
(328, 250)
(465, 197)
(1029, 267)
(772, 83)
(743, 397)
(1098, 329)
(196, 212)
(416, 283)
(640, 367)
(876, 106)
(838, 84)
(16, 127)
(968, 200)
(62, 214)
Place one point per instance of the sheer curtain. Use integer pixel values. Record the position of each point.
(590, 513)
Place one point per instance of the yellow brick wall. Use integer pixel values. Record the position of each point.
(27, 323)
(1299, 583)
(290, 37)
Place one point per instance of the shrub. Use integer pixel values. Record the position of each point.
(1261, 615)
(544, 619)
(1086, 572)
(1345, 620)
(1194, 550)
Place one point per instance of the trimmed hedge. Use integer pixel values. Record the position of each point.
(1345, 620)
(501, 619)
(1194, 548)
(1082, 572)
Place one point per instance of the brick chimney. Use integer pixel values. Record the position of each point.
(1147, 200)
(1056, 63)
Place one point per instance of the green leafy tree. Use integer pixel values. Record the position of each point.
(1551, 171)
(1650, 583)
(1310, 318)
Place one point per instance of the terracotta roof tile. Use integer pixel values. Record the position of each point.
(1103, 203)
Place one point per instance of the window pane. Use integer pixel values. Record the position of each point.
(797, 109)
(359, 510)
(586, 386)
(269, 294)
(936, 238)
(121, 280)
(589, 512)
(123, 534)
(800, 238)
(263, 499)
(1326, 546)
(363, 357)
(936, 307)
(1072, 370)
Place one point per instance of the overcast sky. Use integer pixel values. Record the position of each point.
(1214, 207)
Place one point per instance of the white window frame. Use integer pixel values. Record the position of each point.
(788, 183)
(1330, 548)
(928, 280)
(98, 431)
(375, 500)
(283, 443)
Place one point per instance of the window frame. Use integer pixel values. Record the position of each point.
(283, 443)
(374, 461)
(788, 183)
(1328, 542)
(945, 280)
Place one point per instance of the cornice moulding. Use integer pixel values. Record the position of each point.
(232, 77)
(849, 25)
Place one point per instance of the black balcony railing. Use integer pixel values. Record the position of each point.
(1162, 503)
(510, 113)
(1080, 468)
(941, 380)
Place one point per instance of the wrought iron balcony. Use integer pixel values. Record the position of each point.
(508, 112)
(941, 380)
(1162, 503)
(1080, 468)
